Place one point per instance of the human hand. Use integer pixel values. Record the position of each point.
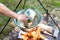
(22, 17)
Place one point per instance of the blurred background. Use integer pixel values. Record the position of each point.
(53, 7)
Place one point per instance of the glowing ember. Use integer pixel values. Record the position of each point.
(33, 34)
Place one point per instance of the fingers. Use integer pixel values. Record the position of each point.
(23, 18)
(26, 16)
(26, 19)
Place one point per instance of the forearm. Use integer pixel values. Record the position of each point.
(7, 12)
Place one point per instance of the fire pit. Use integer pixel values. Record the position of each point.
(36, 33)
(33, 34)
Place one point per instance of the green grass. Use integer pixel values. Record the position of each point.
(57, 3)
(5, 33)
(1, 23)
(3, 20)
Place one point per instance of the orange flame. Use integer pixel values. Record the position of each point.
(34, 34)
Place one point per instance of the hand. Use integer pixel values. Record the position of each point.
(22, 17)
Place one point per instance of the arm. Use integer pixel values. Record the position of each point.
(7, 12)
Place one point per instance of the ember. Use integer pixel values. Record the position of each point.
(33, 34)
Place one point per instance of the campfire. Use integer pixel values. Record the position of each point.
(34, 34)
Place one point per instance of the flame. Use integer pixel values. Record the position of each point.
(34, 34)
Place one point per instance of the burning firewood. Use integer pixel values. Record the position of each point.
(34, 34)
